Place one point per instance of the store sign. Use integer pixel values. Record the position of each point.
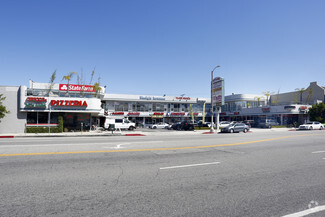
(178, 113)
(303, 108)
(66, 103)
(183, 98)
(289, 107)
(133, 113)
(35, 102)
(151, 98)
(217, 88)
(157, 116)
(79, 88)
(36, 99)
(117, 113)
(195, 113)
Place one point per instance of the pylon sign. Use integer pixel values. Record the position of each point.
(218, 91)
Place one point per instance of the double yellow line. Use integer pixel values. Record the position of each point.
(152, 149)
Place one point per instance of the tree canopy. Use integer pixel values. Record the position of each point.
(3, 109)
(317, 113)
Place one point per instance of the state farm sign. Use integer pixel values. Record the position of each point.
(79, 88)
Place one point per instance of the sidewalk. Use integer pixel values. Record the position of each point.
(67, 134)
(137, 132)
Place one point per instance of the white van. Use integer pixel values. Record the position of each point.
(123, 124)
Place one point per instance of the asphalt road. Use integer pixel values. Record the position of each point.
(265, 173)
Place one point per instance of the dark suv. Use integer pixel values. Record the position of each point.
(184, 125)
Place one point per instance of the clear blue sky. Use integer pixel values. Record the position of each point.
(165, 46)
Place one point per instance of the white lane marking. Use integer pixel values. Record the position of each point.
(317, 152)
(306, 212)
(118, 146)
(189, 165)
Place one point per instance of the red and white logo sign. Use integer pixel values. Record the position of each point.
(78, 103)
(75, 87)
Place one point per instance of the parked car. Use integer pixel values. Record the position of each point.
(235, 128)
(184, 125)
(250, 123)
(201, 124)
(224, 124)
(311, 126)
(267, 123)
(123, 124)
(160, 125)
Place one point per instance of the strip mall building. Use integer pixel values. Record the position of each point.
(82, 106)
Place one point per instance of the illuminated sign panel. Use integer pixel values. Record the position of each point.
(78, 88)
(36, 102)
(218, 91)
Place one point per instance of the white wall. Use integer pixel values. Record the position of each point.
(15, 121)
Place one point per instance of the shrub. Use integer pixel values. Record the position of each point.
(42, 130)
(60, 124)
(203, 128)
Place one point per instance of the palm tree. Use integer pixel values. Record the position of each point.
(301, 91)
(53, 76)
(68, 78)
(97, 86)
(267, 94)
(258, 99)
(92, 76)
(295, 98)
(310, 92)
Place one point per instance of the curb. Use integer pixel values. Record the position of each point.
(48, 136)
(135, 134)
(6, 137)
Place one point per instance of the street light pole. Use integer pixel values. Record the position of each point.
(212, 113)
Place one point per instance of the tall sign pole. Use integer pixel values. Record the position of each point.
(212, 100)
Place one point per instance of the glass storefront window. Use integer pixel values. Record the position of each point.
(42, 117)
(158, 107)
(121, 107)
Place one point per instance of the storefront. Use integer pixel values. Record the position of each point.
(147, 110)
(79, 108)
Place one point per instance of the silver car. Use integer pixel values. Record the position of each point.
(235, 128)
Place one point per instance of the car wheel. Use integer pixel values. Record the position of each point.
(154, 127)
(131, 128)
(321, 128)
(231, 130)
(310, 128)
(245, 130)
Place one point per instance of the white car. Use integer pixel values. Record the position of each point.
(311, 126)
(159, 126)
(223, 124)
